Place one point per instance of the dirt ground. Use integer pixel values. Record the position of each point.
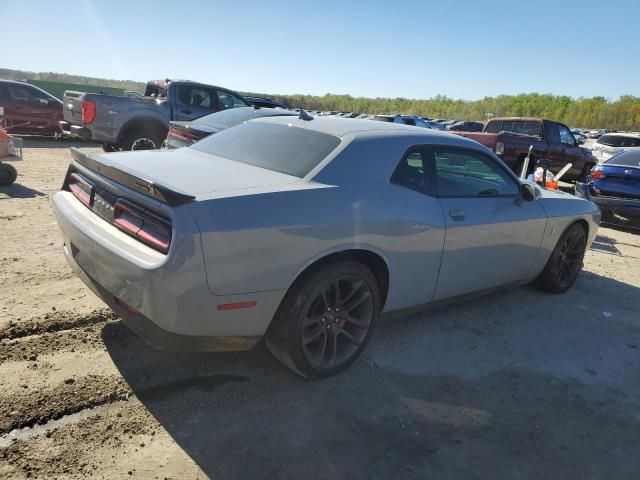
(518, 384)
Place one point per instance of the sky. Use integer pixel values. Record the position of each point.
(413, 49)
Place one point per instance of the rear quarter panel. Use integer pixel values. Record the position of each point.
(563, 210)
(263, 241)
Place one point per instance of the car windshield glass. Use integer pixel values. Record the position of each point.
(281, 148)
(234, 116)
(626, 159)
(382, 119)
(619, 141)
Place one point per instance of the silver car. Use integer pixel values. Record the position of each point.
(306, 231)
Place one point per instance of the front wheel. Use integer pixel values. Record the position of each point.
(326, 319)
(565, 261)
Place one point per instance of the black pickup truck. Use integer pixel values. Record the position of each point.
(141, 122)
(553, 145)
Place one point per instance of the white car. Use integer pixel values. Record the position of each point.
(614, 143)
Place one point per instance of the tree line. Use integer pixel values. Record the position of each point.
(596, 112)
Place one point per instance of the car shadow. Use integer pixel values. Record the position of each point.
(605, 244)
(518, 381)
(49, 142)
(17, 190)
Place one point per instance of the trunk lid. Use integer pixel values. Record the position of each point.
(620, 181)
(72, 107)
(178, 176)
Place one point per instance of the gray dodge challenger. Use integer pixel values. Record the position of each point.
(306, 231)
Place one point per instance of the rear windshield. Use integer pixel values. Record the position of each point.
(281, 148)
(619, 141)
(234, 116)
(626, 159)
(380, 118)
(525, 127)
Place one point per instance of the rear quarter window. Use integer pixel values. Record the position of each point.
(277, 147)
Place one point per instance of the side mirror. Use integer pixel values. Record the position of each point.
(528, 192)
(580, 141)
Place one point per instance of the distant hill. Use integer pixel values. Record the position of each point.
(596, 112)
(131, 85)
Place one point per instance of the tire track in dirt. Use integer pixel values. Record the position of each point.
(19, 410)
(55, 322)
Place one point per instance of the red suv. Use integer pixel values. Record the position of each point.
(30, 110)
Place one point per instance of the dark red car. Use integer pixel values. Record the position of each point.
(29, 109)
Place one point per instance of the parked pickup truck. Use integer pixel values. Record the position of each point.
(136, 122)
(553, 143)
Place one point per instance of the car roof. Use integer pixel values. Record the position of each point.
(341, 127)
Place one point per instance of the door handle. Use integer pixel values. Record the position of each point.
(456, 214)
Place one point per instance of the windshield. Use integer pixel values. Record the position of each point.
(234, 116)
(281, 148)
(619, 141)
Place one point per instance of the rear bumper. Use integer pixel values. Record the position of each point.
(612, 208)
(169, 302)
(75, 131)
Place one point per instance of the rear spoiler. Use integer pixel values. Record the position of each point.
(170, 196)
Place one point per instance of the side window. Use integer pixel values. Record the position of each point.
(20, 94)
(463, 173)
(553, 134)
(532, 128)
(409, 121)
(412, 171)
(228, 100)
(494, 127)
(195, 96)
(200, 98)
(566, 136)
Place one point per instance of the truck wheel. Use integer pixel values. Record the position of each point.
(110, 147)
(326, 319)
(141, 140)
(8, 174)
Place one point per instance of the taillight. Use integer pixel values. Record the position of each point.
(596, 174)
(146, 226)
(88, 111)
(182, 135)
(80, 188)
(499, 148)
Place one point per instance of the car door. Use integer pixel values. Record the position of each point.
(417, 253)
(492, 235)
(556, 152)
(571, 151)
(23, 109)
(194, 101)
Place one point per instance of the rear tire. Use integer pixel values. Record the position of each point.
(326, 319)
(8, 174)
(110, 147)
(141, 140)
(565, 261)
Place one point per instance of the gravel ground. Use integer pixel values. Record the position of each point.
(518, 384)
